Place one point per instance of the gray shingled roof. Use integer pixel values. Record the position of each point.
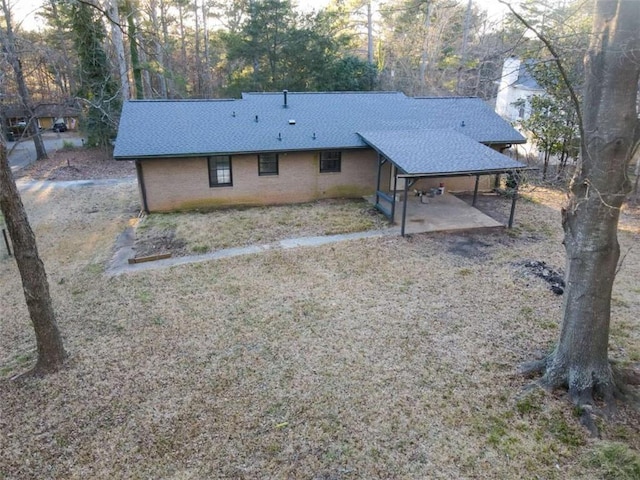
(437, 152)
(525, 79)
(322, 121)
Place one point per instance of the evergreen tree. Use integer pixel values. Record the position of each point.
(97, 87)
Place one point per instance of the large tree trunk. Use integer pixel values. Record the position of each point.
(598, 189)
(51, 354)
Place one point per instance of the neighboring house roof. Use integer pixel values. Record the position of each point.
(322, 121)
(525, 79)
(437, 152)
(66, 109)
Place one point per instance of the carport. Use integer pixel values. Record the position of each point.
(433, 153)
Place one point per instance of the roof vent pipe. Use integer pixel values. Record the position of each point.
(285, 92)
(256, 118)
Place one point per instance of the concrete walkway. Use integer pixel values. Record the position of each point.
(445, 213)
(124, 250)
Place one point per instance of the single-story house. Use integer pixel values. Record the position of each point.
(276, 148)
(44, 114)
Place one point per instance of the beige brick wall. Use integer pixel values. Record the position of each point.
(456, 184)
(183, 184)
(451, 184)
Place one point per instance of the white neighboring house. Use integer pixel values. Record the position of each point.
(517, 84)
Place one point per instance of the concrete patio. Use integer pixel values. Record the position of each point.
(441, 213)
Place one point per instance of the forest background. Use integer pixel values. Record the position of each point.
(100, 53)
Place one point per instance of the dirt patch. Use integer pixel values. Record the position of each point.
(160, 242)
(555, 278)
(467, 245)
(78, 164)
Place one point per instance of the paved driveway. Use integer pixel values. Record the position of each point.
(24, 152)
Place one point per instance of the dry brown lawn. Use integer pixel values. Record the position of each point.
(201, 232)
(377, 358)
(78, 163)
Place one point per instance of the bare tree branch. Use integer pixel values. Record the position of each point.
(556, 59)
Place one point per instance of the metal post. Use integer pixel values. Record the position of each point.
(378, 179)
(394, 170)
(475, 191)
(6, 241)
(513, 206)
(404, 206)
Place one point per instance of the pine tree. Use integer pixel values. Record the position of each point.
(97, 86)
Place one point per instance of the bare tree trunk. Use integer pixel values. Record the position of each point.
(369, 34)
(463, 50)
(132, 32)
(545, 166)
(598, 189)
(167, 66)
(118, 43)
(51, 354)
(7, 39)
(206, 73)
(183, 40)
(636, 172)
(424, 59)
(162, 79)
(68, 84)
(147, 90)
(197, 83)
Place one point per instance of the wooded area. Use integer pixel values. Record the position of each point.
(99, 53)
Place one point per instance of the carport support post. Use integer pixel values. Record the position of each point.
(378, 179)
(395, 187)
(404, 205)
(475, 191)
(513, 205)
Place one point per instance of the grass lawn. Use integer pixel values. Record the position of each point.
(376, 358)
(201, 232)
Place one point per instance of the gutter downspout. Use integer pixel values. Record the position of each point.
(143, 189)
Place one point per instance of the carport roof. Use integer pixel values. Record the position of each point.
(437, 152)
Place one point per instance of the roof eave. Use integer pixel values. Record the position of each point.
(466, 172)
(247, 152)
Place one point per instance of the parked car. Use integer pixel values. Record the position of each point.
(59, 127)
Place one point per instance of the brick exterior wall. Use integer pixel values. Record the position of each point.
(173, 184)
(183, 183)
